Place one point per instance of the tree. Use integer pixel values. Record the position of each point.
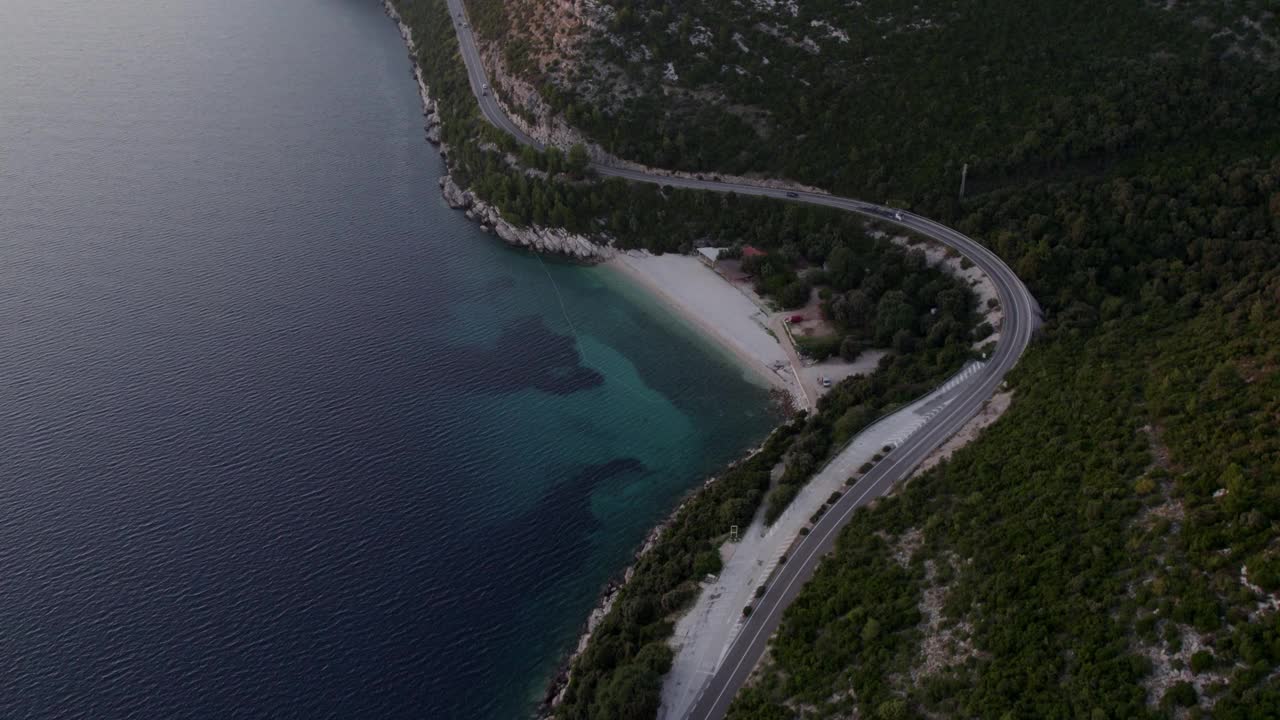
(794, 295)
(842, 268)
(735, 511)
(579, 160)
(555, 160)
(895, 709)
(953, 301)
(1182, 694)
(850, 349)
(707, 563)
(1224, 381)
(860, 308)
(633, 693)
(529, 157)
(870, 631)
(903, 342)
(1200, 661)
(893, 314)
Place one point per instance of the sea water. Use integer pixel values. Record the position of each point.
(282, 436)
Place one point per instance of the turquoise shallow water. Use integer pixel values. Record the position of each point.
(281, 436)
(604, 463)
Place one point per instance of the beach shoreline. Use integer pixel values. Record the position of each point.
(709, 305)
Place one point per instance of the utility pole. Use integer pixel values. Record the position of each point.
(964, 172)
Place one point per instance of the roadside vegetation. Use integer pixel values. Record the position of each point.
(875, 293)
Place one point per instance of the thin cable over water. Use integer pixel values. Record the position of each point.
(582, 348)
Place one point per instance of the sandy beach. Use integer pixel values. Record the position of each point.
(700, 297)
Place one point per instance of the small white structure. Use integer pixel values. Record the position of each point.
(709, 255)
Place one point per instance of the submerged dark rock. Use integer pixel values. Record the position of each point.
(506, 368)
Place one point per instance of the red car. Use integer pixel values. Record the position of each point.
(795, 319)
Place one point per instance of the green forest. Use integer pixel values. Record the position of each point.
(1107, 548)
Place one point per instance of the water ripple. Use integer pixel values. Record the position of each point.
(281, 436)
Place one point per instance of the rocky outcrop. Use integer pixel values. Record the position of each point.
(456, 197)
(542, 239)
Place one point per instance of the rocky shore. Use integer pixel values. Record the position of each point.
(547, 130)
(540, 239)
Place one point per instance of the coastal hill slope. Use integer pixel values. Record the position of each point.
(888, 98)
(1111, 546)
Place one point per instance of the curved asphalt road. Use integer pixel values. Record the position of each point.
(1021, 317)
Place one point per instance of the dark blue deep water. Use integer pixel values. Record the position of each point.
(281, 436)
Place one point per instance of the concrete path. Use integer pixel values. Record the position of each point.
(704, 634)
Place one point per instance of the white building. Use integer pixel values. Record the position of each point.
(708, 255)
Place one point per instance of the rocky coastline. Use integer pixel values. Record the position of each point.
(540, 239)
(559, 682)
